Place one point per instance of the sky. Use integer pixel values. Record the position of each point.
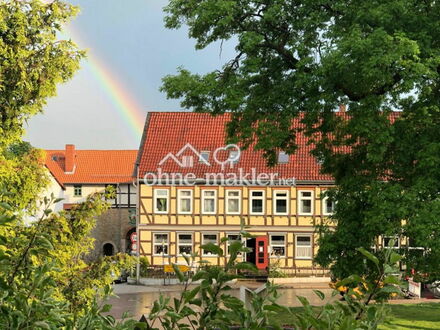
(129, 52)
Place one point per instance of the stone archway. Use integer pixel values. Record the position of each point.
(108, 249)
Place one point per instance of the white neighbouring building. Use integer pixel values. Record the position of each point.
(74, 174)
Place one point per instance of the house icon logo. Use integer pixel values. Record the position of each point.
(185, 161)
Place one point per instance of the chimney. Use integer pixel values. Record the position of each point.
(69, 166)
(342, 107)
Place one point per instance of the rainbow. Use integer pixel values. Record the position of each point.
(124, 103)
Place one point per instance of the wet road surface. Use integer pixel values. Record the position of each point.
(137, 300)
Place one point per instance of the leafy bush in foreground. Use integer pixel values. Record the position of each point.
(208, 305)
(44, 283)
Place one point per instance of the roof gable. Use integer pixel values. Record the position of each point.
(93, 166)
(167, 133)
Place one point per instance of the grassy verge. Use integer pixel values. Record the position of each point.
(411, 316)
(414, 316)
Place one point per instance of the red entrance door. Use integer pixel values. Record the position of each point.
(261, 255)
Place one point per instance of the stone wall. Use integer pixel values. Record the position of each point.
(111, 227)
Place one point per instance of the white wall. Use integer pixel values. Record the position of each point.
(87, 189)
(53, 188)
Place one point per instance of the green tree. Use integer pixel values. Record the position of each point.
(301, 60)
(33, 60)
(23, 176)
(44, 281)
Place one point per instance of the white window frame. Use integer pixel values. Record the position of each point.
(283, 157)
(301, 198)
(155, 196)
(324, 206)
(179, 201)
(262, 198)
(77, 187)
(155, 244)
(228, 242)
(310, 247)
(228, 198)
(203, 159)
(210, 197)
(275, 198)
(179, 244)
(278, 245)
(203, 243)
(396, 238)
(234, 156)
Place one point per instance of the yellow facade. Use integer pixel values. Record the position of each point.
(173, 221)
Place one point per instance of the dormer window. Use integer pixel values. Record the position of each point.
(204, 157)
(283, 158)
(234, 156)
(55, 158)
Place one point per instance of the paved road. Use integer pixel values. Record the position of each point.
(138, 299)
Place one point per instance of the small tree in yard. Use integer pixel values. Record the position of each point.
(299, 60)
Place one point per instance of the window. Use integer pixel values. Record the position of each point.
(283, 158)
(77, 190)
(209, 201)
(233, 201)
(184, 244)
(161, 200)
(278, 245)
(328, 206)
(232, 238)
(160, 244)
(303, 247)
(184, 201)
(208, 238)
(256, 202)
(305, 203)
(386, 241)
(280, 202)
(234, 156)
(204, 157)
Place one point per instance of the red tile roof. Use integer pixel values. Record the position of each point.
(93, 166)
(166, 132)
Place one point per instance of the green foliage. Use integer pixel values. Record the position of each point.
(22, 176)
(44, 282)
(299, 61)
(275, 270)
(144, 264)
(206, 302)
(32, 60)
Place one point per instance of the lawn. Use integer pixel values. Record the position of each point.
(408, 316)
(414, 316)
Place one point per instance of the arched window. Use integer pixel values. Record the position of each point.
(108, 249)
